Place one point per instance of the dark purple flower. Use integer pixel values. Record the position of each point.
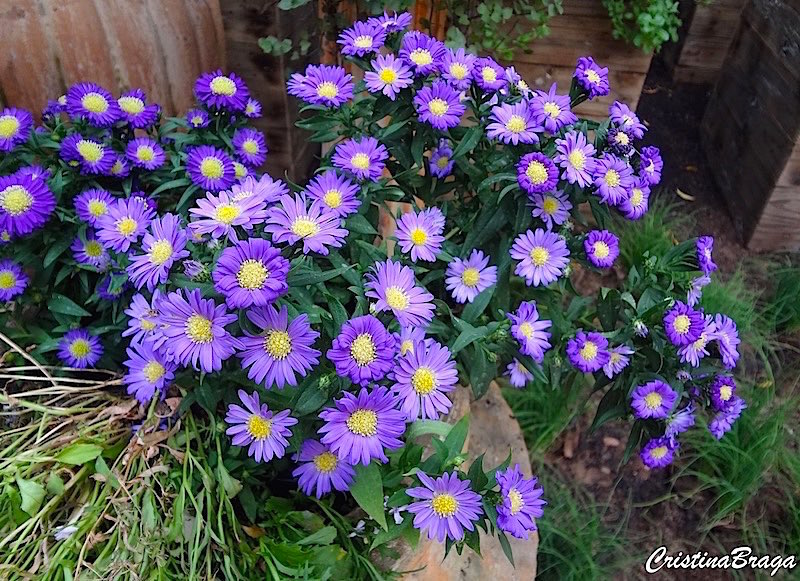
(456, 68)
(723, 420)
(659, 452)
(148, 372)
(441, 164)
(325, 85)
(145, 153)
(25, 204)
(512, 124)
(439, 105)
(15, 128)
(80, 349)
(250, 146)
(489, 75)
(602, 248)
(613, 177)
(651, 165)
(655, 399)
(588, 352)
(362, 38)
(210, 168)
(635, 204)
(536, 173)
(591, 77)
(13, 280)
(422, 52)
(93, 103)
(219, 91)
(705, 246)
(623, 117)
(520, 502)
(136, 111)
(90, 156)
(163, 244)
(364, 158)
(319, 470)
(363, 351)
(251, 272)
(727, 337)
(683, 324)
(552, 111)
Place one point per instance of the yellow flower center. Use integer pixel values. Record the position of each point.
(227, 213)
(7, 280)
(387, 75)
(93, 248)
(97, 208)
(333, 199)
(458, 71)
(239, 171)
(725, 392)
(549, 205)
(80, 348)
(197, 120)
(252, 274)
(131, 105)
(658, 453)
(15, 200)
(540, 255)
(360, 161)
(421, 57)
(160, 252)
(258, 427)
(552, 109)
(89, 150)
(363, 41)
(363, 423)
(362, 350)
(536, 172)
(304, 227)
(488, 74)
(223, 85)
(516, 124)
(589, 351)
(94, 102)
(701, 342)
(470, 276)
(611, 178)
(326, 462)
(653, 400)
(250, 146)
(601, 249)
(681, 324)
(444, 505)
(423, 381)
(622, 138)
(126, 226)
(615, 358)
(145, 153)
(442, 162)
(212, 167)
(397, 298)
(522, 86)
(438, 107)
(327, 90)
(147, 325)
(198, 328)
(577, 159)
(116, 168)
(592, 75)
(419, 236)
(153, 371)
(526, 329)
(278, 344)
(516, 500)
(637, 197)
(406, 346)
(9, 126)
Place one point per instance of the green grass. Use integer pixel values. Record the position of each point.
(655, 233)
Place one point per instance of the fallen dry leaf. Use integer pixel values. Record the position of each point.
(683, 195)
(254, 532)
(610, 442)
(570, 443)
(691, 167)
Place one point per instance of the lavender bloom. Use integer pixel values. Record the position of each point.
(640, 329)
(439, 105)
(723, 421)
(364, 350)
(13, 280)
(705, 245)
(441, 164)
(512, 124)
(651, 165)
(253, 108)
(619, 358)
(219, 214)
(163, 245)
(359, 427)
(680, 421)
(518, 375)
(530, 331)
(265, 188)
(659, 452)
(251, 272)
(135, 110)
(407, 338)
(591, 77)
(120, 168)
(466, 279)
(337, 193)
(457, 68)
(93, 103)
(264, 433)
(316, 226)
(15, 128)
(325, 85)
(197, 119)
(79, 349)
(144, 320)
(654, 399)
(422, 52)
(552, 111)
(320, 470)
(250, 146)
(727, 337)
(613, 177)
(210, 168)
(446, 506)
(521, 502)
(25, 204)
(148, 372)
(394, 288)
(683, 324)
(543, 256)
(602, 248)
(488, 75)
(421, 234)
(588, 352)
(576, 157)
(393, 22)
(423, 377)
(635, 205)
(124, 223)
(89, 251)
(218, 91)
(695, 351)
(722, 392)
(389, 76)
(92, 205)
(623, 117)
(552, 208)
(362, 38)
(364, 158)
(536, 173)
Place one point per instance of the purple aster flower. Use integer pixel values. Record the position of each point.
(281, 350)
(466, 279)
(518, 375)
(210, 168)
(588, 352)
(15, 127)
(441, 164)
(163, 244)
(591, 77)
(635, 204)
(389, 75)
(264, 188)
(123, 224)
(393, 22)
(456, 68)
(552, 111)
(394, 288)
(362, 38)
(252, 272)
(551, 208)
(422, 52)
(120, 168)
(363, 351)
(723, 420)
(93, 103)
(640, 329)
(112, 286)
(696, 350)
(13, 280)
(576, 157)
(364, 157)
(145, 153)
(320, 470)
(727, 337)
(423, 377)
(515, 81)
(543, 256)
(325, 85)
(623, 117)
(136, 111)
(250, 146)
(651, 164)
(521, 502)
(148, 372)
(219, 214)
(144, 320)
(530, 331)
(618, 359)
(54, 109)
(92, 205)
(613, 177)
(446, 506)
(439, 105)
(421, 233)
(88, 250)
(512, 124)
(197, 119)
(337, 193)
(489, 75)
(659, 452)
(253, 108)
(25, 204)
(359, 427)
(79, 349)
(316, 226)
(619, 141)
(407, 338)
(683, 324)
(215, 90)
(536, 173)
(705, 245)
(680, 421)
(722, 391)
(602, 248)
(194, 330)
(35, 172)
(241, 171)
(89, 155)
(195, 270)
(654, 399)
(254, 425)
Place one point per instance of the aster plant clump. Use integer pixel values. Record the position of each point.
(326, 326)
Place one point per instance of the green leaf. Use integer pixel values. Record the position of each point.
(307, 277)
(467, 336)
(422, 427)
(367, 490)
(470, 140)
(613, 405)
(56, 250)
(454, 442)
(501, 536)
(66, 306)
(475, 309)
(32, 494)
(359, 224)
(79, 453)
(324, 536)
(229, 483)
